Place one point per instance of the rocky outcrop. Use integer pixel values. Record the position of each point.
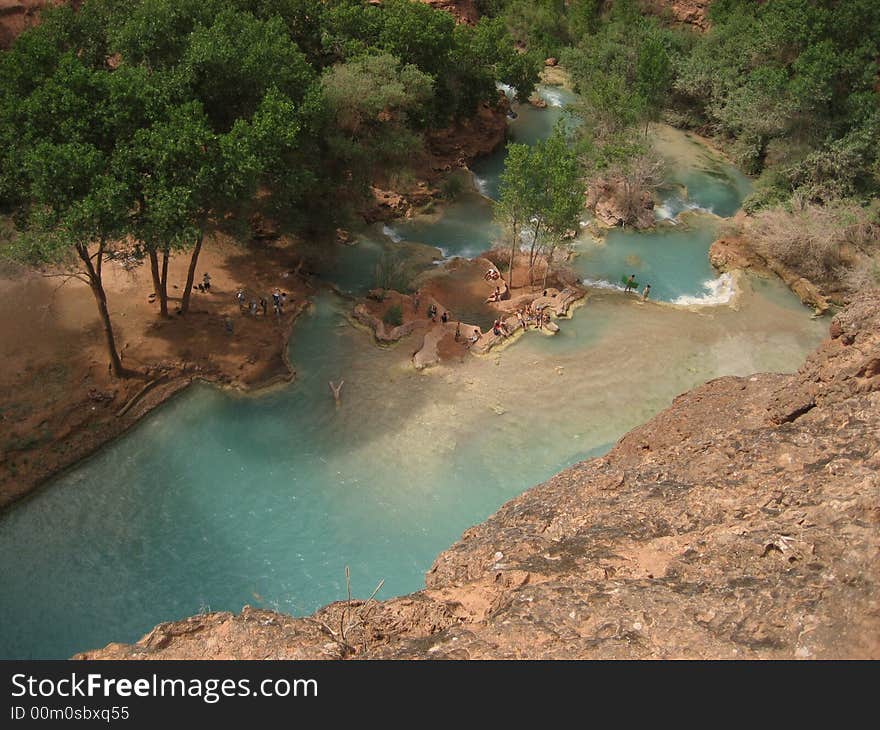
(612, 207)
(381, 331)
(741, 522)
(688, 12)
(461, 143)
(16, 16)
(464, 11)
(446, 150)
(733, 253)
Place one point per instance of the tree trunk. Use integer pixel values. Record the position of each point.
(191, 274)
(532, 255)
(97, 286)
(547, 264)
(163, 283)
(512, 253)
(159, 280)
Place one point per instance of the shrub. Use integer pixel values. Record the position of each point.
(835, 246)
(394, 316)
(452, 187)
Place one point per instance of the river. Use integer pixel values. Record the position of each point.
(217, 500)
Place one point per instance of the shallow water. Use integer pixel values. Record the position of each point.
(672, 260)
(699, 179)
(217, 500)
(466, 228)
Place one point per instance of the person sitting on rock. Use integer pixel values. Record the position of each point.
(444, 318)
(495, 295)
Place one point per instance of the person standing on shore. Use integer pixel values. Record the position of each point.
(646, 292)
(630, 283)
(206, 281)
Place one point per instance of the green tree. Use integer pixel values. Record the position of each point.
(563, 197)
(541, 196)
(517, 194)
(75, 210)
(230, 64)
(170, 168)
(653, 77)
(367, 103)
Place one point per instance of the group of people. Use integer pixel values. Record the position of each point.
(255, 306)
(632, 285)
(527, 316)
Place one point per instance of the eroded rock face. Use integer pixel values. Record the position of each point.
(16, 16)
(464, 11)
(735, 524)
(689, 12)
(732, 253)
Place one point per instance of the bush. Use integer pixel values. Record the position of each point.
(394, 316)
(834, 246)
(452, 187)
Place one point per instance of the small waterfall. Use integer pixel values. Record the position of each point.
(718, 291)
(509, 91)
(391, 233)
(552, 96)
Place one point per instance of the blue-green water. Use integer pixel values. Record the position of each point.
(217, 500)
(466, 228)
(672, 260)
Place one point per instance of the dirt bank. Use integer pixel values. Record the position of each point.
(59, 403)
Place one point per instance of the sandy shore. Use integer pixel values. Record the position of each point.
(58, 402)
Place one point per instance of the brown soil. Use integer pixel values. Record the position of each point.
(58, 401)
